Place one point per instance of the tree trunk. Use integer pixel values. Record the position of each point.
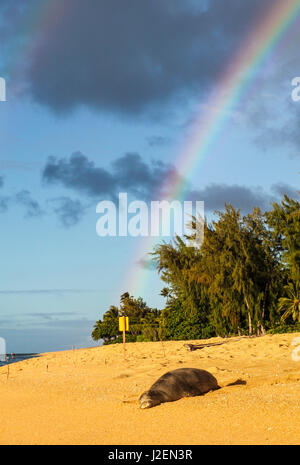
(260, 329)
(250, 323)
(249, 316)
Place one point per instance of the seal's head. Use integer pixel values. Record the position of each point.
(150, 398)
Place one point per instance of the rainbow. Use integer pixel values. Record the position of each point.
(213, 114)
(231, 86)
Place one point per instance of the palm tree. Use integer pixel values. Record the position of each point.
(290, 304)
(166, 292)
(112, 313)
(124, 296)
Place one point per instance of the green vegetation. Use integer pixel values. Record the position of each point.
(144, 322)
(245, 279)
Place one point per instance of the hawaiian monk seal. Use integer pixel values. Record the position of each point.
(183, 382)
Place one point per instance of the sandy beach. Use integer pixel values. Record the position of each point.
(90, 396)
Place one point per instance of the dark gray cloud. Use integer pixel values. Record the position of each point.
(280, 189)
(68, 211)
(133, 175)
(275, 118)
(11, 15)
(130, 56)
(126, 55)
(4, 204)
(129, 173)
(271, 113)
(242, 197)
(32, 207)
(23, 198)
(287, 135)
(78, 173)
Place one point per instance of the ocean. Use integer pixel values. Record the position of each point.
(15, 358)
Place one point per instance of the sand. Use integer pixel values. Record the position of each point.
(90, 396)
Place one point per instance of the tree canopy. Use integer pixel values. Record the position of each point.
(243, 280)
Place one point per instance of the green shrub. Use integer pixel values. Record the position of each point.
(284, 328)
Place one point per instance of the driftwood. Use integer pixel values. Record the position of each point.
(201, 346)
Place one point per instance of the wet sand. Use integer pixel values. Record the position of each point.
(90, 396)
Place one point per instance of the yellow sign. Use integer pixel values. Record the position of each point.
(121, 323)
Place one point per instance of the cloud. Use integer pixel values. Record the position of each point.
(127, 56)
(33, 318)
(132, 59)
(146, 182)
(146, 263)
(4, 203)
(47, 315)
(24, 199)
(32, 207)
(78, 173)
(69, 323)
(128, 173)
(10, 15)
(271, 114)
(242, 197)
(286, 135)
(280, 189)
(131, 174)
(158, 141)
(69, 211)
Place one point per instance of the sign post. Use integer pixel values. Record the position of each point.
(124, 326)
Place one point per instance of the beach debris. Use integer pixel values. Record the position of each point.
(192, 347)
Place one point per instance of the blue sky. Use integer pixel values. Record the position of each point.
(117, 85)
